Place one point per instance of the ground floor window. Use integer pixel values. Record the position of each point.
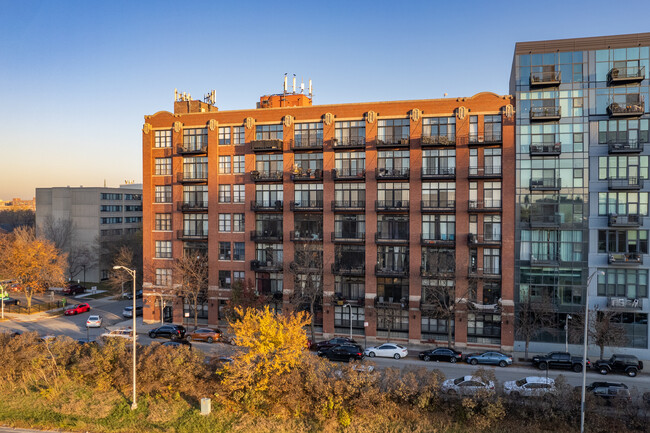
(392, 322)
(484, 328)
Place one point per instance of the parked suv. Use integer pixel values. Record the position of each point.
(610, 391)
(343, 352)
(628, 364)
(331, 343)
(73, 289)
(559, 360)
(172, 332)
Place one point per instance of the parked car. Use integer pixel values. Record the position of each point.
(94, 321)
(77, 309)
(331, 343)
(467, 385)
(10, 301)
(129, 294)
(204, 334)
(73, 289)
(609, 391)
(342, 352)
(531, 386)
(441, 354)
(492, 358)
(559, 360)
(119, 333)
(388, 350)
(628, 364)
(172, 332)
(128, 311)
(176, 344)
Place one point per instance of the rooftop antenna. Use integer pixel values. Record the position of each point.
(310, 88)
(294, 84)
(302, 86)
(285, 83)
(175, 94)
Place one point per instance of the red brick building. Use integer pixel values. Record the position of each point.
(407, 206)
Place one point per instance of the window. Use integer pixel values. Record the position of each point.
(342, 317)
(492, 194)
(350, 194)
(439, 130)
(350, 133)
(349, 256)
(623, 241)
(492, 161)
(195, 224)
(491, 227)
(622, 203)
(163, 166)
(393, 193)
(395, 320)
(350, 226)
(308, 162)
(238, 134)
(163, 194)
(437, 162)
(163, 221)
(492, 128)
(309, 194)
(492, 261)
(224, 250)
(239, 251)
(224, 279)
(238, 276)
(308, 134)
(268, 253)
(393, 227)
(163, 138)
(238, 222)
(195, 139)
(163, 277)
(269, 283)
(111, 220)
(132, 196)
(484, 328)
(393, 258)
(350, 163)
(268, 132)
(308, 226)
(623, 167)
(137, 208)
(224, 165)
(551, 245)
(110, 208)
(163, 249)
(393, 162)
(110, 196)
(625, 132)
(350, 287)
(393, 289)
(438, 227)
(224, 193)
(269, 195)
(238, 164)
(131, 219)
(195, 167)
(439, 194)
(627, 283)
(271, 163)
(224, 135)
(224, 222)
(391, 131)
(195, 196)
(239, 194)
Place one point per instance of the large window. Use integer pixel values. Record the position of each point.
(623, 241)
(393, 227)
(308, 226)
(163, 194)
(163, 138)
(195, 195)
(308, 163)
(163, 277)
(627, 283)
(238, 222)
(224, 135)
(225, 193)
(492, 161)
(484, 328)
(195, 224)
(268, 224)
(350, 226)
(623, 167)
(268, 195)
(195, 167)
(224, 250)
(393, 289)
(238, 164)
(163, 166)
(392, 130)
(268, 132)
(271, 163)
(350, 288)
(622, 203)
(308, 134)
(350, 163)
(309, 194)
(437, 162)
(551, 245)
(492, 194)
(393, 258)
(350, 194)
(224, 222)
(239, 251)
(491, 227)
(391, 162)
(492, 128)
(239, 193)
(439, 194)
(439, 227)
(269, 283)
(163, 249)
(394, 194)
(492, 261)
(342, 317)
(269, 253)
(350, 133)
(195, 138)
(163, 221)
(440, 130)
(224, 164)
(623, 131)
(349, 256)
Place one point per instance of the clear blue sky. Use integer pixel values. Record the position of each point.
(77, 77)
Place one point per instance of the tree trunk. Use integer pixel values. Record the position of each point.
(196, 312)
(602, 351)
(29, 294)
(449, 332)
(312, 321)
(526, 349)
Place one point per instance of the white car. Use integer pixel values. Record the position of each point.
(119, 333)
(467, 385)
(94, 322)
(532, 386)
(388, 350)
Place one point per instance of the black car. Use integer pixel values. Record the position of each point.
(342, 352)
(74, 289)
(10, 301)
(331, 343)
(628, 364)
(441, 354)
(129, 295)
(173, 332)
(610, 391)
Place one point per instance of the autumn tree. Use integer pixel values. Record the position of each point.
(32, 262)
(190, 280)
(243, 296)
(604, 329)
(533, 315)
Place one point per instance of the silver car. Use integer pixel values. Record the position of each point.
(94, 321)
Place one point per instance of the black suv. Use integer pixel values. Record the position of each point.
(321, 345)
(173, 332)
(628, 364)
(343, 352)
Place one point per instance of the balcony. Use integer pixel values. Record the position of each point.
(389, 271)
(186, 149)
(633, 183)
(627, 109)
(266, 236)
(192, 206)
(546, 260)
(545, 149)
(307, 143)
(438, 206)
(484, 205)
(392, 302)
(631, 220)
(191, 177)
(619, 303)
(629, 146)
(348, 238)
(265, 205)
(384, 238)
(545, 221)
(392, 173)
(393, 142)
(271, 295)
(348, 269)
(305, 236)
(425, 240)
(473, 239)
(490, 138)
(545, 184)
(634, 74)
(436, 272)
(349, 143)
(348, 174)
(269, 145)
(439, 173)
(266, 266)
(438, 140)
(545, 79)
(392, 205)
(307, 175)
(307, 205)
(625, 259)
(266, 176)
(189, 235)
(348, 205)
(343, 299)
(544, 114)
(486, 273)
(484, 172)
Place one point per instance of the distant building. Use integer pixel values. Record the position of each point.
(96, 213)
(18, 204)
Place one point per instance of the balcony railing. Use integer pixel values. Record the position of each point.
(267, 145)
(542, 220)
(438, 173)
(266, 205)
(191, 177)
(348, 173)
(393, 142)
(438, 140)
(343, 299)
(437, 205)
(545, 149)
(547, 78)
(476, 139)
(627, 109)
(348, 269)
(306, 143)
(626, 183)
(358, 237)
(491, 239)
(545, 184)
(485, 172)
(192, 206)
(307, 205)
(484, 205)
(302, 175)
(392, 302)
(476, 272)
(349, 142)
(387, 238)
(305, 236)
(431, 271)
(629, 146)
(390, 271)
(392, 205)
(625, 75)
(188, 235)
(266, 236)
(619, 303)
(354, 205)
(426, 240)
(392, 173)
(549, 259)
(630, 220)
(269, 266)
(625, 259)
(266, 176)
(186, 149)
(545, 113)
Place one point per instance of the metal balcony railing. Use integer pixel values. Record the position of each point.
(627, 109)
(266, 176)
(392, 205)
(302, 175)
(545, 259)
(486, 138)
(190, 235)
(192, 206)
(545, 220)
(348, 269)
(266, 205)
(191, 149)
(305, 236)
(306, 143)
(482, 172)
(269, 265)
(438, 173)
(546, 78)
(438, 140)
(629, 146)
(625, 259)
(192, 177)
(477, 272)
(348, 205)
(348, 173)
(545, 113)
(392, 173)
(484, 205)
(630, 220)
(545, 184)
(391, 271)
(394, 141)
(307, 205)
(625, 183)
(349, 142)
(434, 271)
(437, 205)
(267, 145)
(347, 237)
(545, 149)
(266, 236)
(392, 238)
(428, 240)
(483, 239)
(392, 302)
(625, 75)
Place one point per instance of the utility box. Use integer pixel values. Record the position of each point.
(206, 406)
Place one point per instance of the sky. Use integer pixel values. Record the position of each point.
(78, 77)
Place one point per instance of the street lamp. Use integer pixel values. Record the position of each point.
(584, 353)
(566, 329)
(350, 307)
(131, 272)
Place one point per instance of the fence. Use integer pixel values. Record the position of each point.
(36, 307)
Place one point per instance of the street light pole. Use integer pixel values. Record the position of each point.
(566, 328)
(134, 404)
(350, 307)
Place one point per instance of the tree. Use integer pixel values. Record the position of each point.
(604, 329)
(532, 317)
(243, 296)
(124, 257)
(59, 231)
(32, 262)
(190, 274)
(18, 218)
(79, 259)
(109, 250)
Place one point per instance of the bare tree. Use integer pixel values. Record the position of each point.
(18, 218)
(190, 274)
(244, 296)
(60, 231)
(110, 252)
(124, 257)
(604, 329)
(79, 259)
(532, 317)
